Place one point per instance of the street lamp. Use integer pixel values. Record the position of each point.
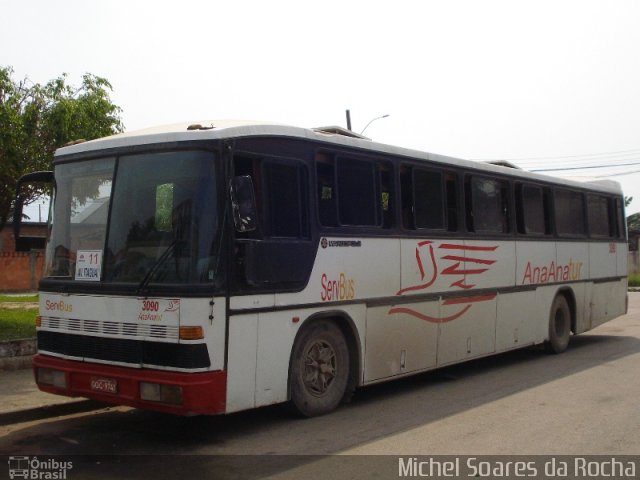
(371, 121)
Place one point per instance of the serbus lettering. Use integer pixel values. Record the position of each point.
(552, 273)
(60, 306)
(341, 289)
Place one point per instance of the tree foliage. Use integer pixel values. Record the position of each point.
(37, 119)
(633, 222)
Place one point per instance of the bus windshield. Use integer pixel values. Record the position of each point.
(141, 219)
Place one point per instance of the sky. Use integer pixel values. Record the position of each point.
(543, 84)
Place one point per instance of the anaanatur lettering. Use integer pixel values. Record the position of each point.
(552, 272)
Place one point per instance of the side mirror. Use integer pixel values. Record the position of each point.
(243, 204)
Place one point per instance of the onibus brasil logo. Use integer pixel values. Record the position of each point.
(38, 469)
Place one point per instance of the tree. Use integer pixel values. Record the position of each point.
(633, 221)
(37, 119)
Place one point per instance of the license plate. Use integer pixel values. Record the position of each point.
(107, 385)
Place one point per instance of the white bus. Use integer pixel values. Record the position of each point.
(207, 269)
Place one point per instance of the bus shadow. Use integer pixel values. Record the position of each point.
(378, 411)
(403, 400)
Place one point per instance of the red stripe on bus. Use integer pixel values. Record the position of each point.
(455, 270)
(479, 298)
(456, 258)
(428, 318)
(452, 246)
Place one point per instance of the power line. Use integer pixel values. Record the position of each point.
(620, 174)
(584, 161)
(585, 156)
(588, 167)
(577, 166)
(590, 161)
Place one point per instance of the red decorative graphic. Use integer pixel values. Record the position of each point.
(462, 264)
(479, 298)
(173, 306)
(421, 268)
(427, 318)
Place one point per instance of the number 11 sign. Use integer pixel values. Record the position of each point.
(89, 265)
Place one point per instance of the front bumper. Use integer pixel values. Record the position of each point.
(202, 393)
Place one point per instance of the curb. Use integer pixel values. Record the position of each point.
(17, 354)
(48, 411)
(22, 362)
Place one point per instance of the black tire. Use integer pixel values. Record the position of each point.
(319, 369)
(559, 325)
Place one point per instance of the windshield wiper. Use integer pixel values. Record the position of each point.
(156, 265)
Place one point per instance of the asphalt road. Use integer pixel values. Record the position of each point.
(583, 402)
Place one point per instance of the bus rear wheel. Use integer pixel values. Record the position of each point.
(559, 325)
(319, 369)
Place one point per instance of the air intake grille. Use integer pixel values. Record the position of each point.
(96, 327)
(135, 352)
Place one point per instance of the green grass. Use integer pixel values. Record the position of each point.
(19, 299)
(634, 280)
(16, 323)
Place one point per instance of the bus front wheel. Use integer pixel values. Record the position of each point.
(559, 325)
(319, 369)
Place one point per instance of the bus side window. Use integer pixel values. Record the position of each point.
(327, 202)
(621, 224)
(250, 166)
(487, 203)
(599, 217)
(406, 197)
(451, 186)
(532, 210)
(286, 212)
(354, 192)
(387, 207)
(569, 212)
(428, 198)
(357, 192)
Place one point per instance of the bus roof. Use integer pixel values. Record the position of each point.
(220, 129)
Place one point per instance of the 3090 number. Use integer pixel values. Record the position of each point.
(150, 306)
